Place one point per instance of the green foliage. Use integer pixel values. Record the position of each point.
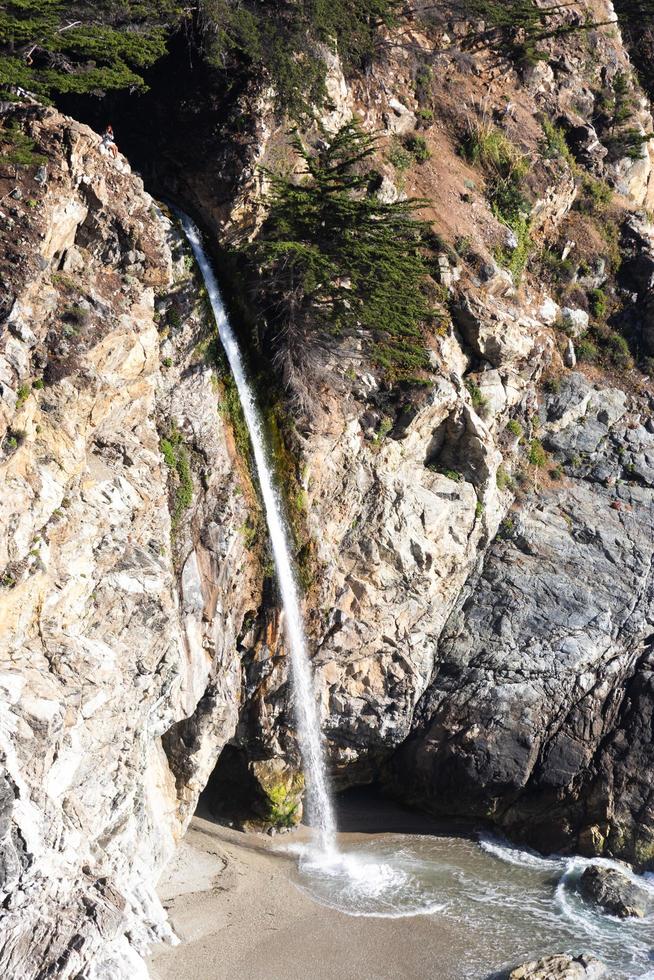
(503, 480)
(279, 40)
(480, 404)
(560, 270)
(17, 148)
(537, 455)
(595, 196)
(587, 351)
(177, 460)
(399, 156)
(334, 260)
(514, 428)
(598, 302)
(518, 26)
(506, 528)
(505, 168)
(231, 409)
(555, 146)
(618, 132)
(619, 351)
(22, 395)
(417, 147)
(515, 259)
(452, 475)
(51, 47)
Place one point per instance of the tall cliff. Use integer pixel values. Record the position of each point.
(476, 547)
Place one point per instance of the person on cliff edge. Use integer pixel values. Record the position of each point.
(108, 143)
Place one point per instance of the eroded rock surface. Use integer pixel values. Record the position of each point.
(613, 891)
(561, 967)
(111, 634)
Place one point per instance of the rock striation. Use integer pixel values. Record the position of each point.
(477, 554)
(118, 620)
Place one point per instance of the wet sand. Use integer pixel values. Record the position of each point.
(232, 902)
(240, 906)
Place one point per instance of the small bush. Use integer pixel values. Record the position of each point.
(587, 351)
(514, 428)
(177, 460)
(537, 455)
(503, 480)
(598, 303)
(480, 404)
(554, 143)
(507, 528)
(619, 351)
(399, 157)
(22, 395)
(595, 197)
(417, 147)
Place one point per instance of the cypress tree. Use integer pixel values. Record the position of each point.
(334, 260)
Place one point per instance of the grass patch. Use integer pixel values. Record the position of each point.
(177, 460)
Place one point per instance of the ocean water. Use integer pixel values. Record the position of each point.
(502, 905)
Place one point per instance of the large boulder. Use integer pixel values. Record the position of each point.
(613, 891)
(561, 967)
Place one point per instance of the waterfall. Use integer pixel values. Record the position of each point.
(320, 811)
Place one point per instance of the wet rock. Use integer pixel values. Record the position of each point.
(561, 967)
(613, 892)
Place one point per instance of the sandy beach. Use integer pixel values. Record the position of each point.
(233, 903)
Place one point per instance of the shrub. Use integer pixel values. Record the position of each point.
(22, 395)
(480, 404)
(514, 428)
(619, 351)
(595, 196)
(417, 147)
(537, 455)
(399, 157)
(503, 480)
(598, 303)
(554, 143)
(18, 149)
(587, 351)
(177, 460)
(505, 168)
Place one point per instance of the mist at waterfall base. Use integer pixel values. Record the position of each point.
(515, 896)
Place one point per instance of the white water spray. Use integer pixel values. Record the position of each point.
(321, 815)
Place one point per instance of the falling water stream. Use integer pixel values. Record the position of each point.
(320, 809)
(519, 900)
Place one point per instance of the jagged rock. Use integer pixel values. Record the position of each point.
(561, 967)
(585, 144)
(99, 656)
(575, 321)
(613, 892)
(400, 119)
(549, 311)
(537, 746)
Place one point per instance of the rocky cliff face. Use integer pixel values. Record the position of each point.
(120, 607)
(479, 552)
(511, 669)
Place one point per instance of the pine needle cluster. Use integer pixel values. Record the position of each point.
(334, 261)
